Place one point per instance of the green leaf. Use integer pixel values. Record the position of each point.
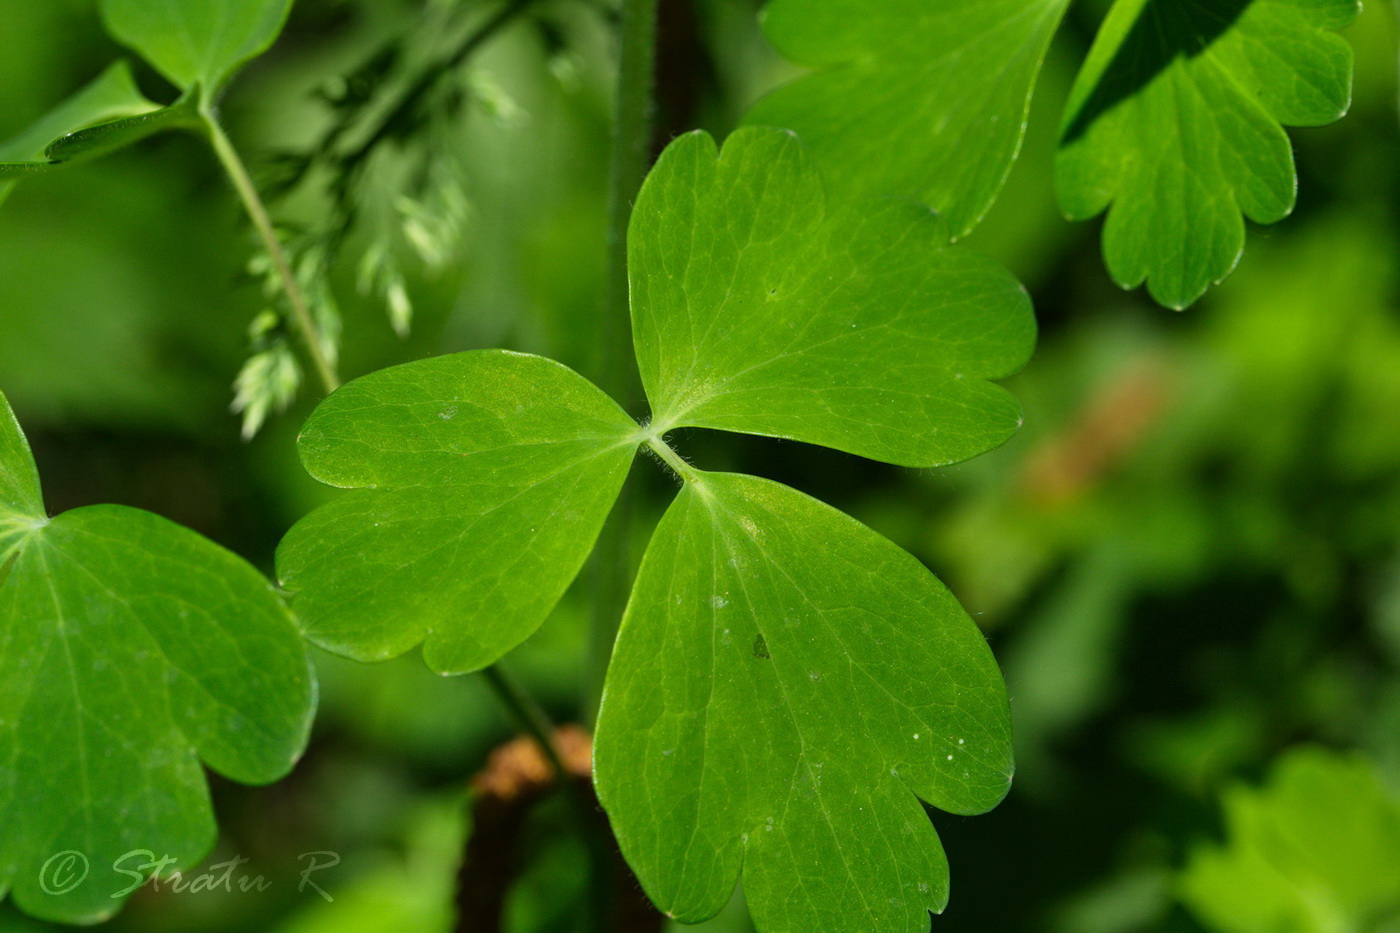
(130, 650)
(99, 140)
(785, 686)
(21, 502)
(111, 94)
(485, 478)
(758, 309)
(1315, 850)
(915, 99)
(1175, 121)
(196, 42)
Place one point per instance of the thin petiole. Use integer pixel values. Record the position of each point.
(668, 455)
(257, 212)
(527, 713)
(614, 367)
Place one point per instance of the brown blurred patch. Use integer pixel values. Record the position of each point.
(516, 779)
(1110, 426)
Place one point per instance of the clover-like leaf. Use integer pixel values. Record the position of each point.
(786, 686)
(130, 650)
(484, 478)
(1316, 849)
(1175, 121)
(196, 42)
(110, 95)
(758, 309)
(913, 99)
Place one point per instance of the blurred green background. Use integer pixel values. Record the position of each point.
(1188, 562)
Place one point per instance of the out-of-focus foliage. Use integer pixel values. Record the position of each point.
(924, 101)
(409, 887)
(1313, 851)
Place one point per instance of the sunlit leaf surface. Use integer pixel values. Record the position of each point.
(786, 686)
(131, 650)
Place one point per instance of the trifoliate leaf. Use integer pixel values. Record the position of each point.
(786, 686)
(111, 94)
(914, 99)
(1317, 849)
(756, 308)
(130, 650)
(483, 477)
(196, 42)
(1175, 119)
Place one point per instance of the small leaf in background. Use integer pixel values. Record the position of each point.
(111, 94)
(918, 100)
(196, 42)
(786, 685)
(1315, 850)
(1174, 127)
(756, 309)
(408, 888)
(269, 378)
(484, 478)
(130, 650)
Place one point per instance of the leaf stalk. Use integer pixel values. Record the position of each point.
(615, 369)
(527, 713)
(262, 222)
(675, 461)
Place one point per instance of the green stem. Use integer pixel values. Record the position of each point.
(528, 715)
(537, 724)
(257, 211)
(615, 368)
(631, 157)
(672, 459)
